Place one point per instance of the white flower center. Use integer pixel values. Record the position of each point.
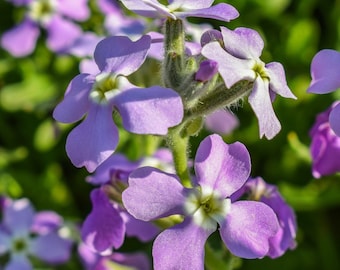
(105, 88)
(260, 70)
(207, 207)
(42, 10)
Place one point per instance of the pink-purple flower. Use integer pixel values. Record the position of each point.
(325, 70)
(257, 189)
(221, 170)
(55, 16)
(143, 110)
(236, 63)
(24, 233)
(325, 145)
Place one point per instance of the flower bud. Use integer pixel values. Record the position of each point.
(207, 70)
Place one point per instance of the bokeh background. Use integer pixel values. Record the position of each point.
(33, 162)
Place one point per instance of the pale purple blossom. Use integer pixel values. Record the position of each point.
(325, 70)
(179, 9)
(55, 16)
(24, 233)
(325, 145)
(221, 169)
(143, 110)
(257, 189)
(236, 63)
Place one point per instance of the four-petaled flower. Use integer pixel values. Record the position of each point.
(221, 169)
(23, 233)
(143, 110)
(236, 63)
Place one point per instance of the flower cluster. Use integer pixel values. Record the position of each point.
(199, 81)
(23, 233)
(166, 82)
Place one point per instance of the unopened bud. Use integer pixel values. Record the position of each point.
(207, 70)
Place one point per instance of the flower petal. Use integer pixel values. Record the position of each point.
(223, 12)
(76, 10)
(153, 194)
(19, 261)
(325, 68)
(148, 8)
(41, 248)
(21, 40)
(149, 110)
(278, 82)
(46, 221)
(76, 100)
(191, 4)
(220, 166)
(5, 241)
(259, 100)
(104, 227)
(222, 122)
(120, 55)
(93, 140)
(247, 229)
(180, 246)
(334, 119)
(18, 217)
(144, 231)
(252, 43)
(61, 34)
(231, 68)
(116, 164)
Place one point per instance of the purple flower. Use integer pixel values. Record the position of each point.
(143, 110)
(325, 68)
(221, 169)
(25, 233)
(236, 63)
(222, 122)
(115, 260)
(105, 227)
(53, 16)
(257, 189)
(325, 145)
(178, 9)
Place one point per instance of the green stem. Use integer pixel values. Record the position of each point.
(179, 147)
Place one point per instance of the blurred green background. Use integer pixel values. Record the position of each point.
(33, 162)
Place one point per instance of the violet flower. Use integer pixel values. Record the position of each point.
(325, 145)
(257, 189)
(222, 122)
(24, 233)
(115, 260)
(108, 223)
(143, 110)
(325, 70)
(236, 63)
(221, 169)
(179, 9)
(52, 15)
